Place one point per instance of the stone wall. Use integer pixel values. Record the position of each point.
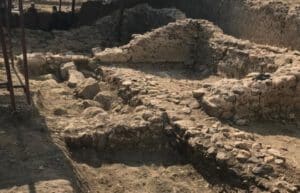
(174, 43)
(266, 79)
(258, 96)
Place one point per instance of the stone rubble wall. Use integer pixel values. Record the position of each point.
(268, 76)
(42, 64)
(226, 152)
(173, 43)
(196, 43)
(276, 96)
(266, 83)
(238, 58)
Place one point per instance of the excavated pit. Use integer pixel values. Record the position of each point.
(110, 93)
(145, 116)
(153, 163)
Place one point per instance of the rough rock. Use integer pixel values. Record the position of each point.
(105, 98)
(262, 169)
(243, 155)
(222, 156)
(75, 78)
(87, 89)
(91, 112)
(157, 46)
(65, 68)
(37, 64)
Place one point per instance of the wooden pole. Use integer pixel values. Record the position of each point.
(73, 7)
(24, 50)
(59, 7)
(7, 68)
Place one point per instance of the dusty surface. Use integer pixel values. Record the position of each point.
(182, 108)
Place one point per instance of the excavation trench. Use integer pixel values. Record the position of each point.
(157, 162)
(152, 153)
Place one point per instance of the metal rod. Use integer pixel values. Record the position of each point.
(8, 18)
(73, 9)
(8, 27)
(59, 7)
(7, 67)
(4, 85)
(24, 50)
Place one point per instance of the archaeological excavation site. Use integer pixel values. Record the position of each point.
(150, 96)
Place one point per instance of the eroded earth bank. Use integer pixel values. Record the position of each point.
(183, 107)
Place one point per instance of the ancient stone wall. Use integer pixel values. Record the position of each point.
(234, 58)
(260, 81)
(258, 96)
(266, 79)
(174, 43)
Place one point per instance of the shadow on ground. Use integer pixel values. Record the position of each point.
(272, 128)
(28, 155)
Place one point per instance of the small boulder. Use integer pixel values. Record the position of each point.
(241, 122)
(89, 103)
(243, 155)
(279, 161)
(268, 159)
(105, 98)
(275, 153)
(242, 145)
(59, 111)
(222, 156)
(46, 77)
(113, 55)
(88, 89)
(96, 50)
(256, 146)
(262, 169)
(37, 64)
(75, 78)
(199, 93)
(93, 111)
(65, 68)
